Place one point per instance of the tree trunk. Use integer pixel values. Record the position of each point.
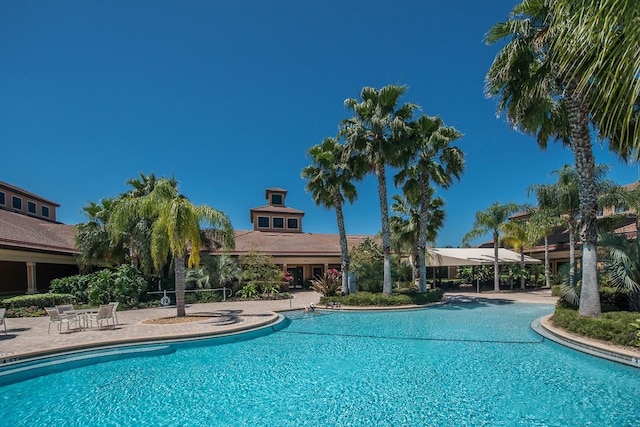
(496, 272)
(180, 272)
(422, 237)
(585, 166)
(386, 231)
(522, 281)
(344, 249)
(547, 269)
(572, 253)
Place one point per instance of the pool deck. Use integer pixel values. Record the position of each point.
(28, 338)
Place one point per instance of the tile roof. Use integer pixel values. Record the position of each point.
(19, 231)
(304, 244)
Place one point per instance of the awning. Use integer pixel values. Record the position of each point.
(453, 257)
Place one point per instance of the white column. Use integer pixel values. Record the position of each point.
(31, 278)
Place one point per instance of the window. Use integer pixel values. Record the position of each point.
(2, 200)
(16, 203)
(31, 207)
(276, 199)
(600, 213)
(263, 221)
(317, 272)
(278, 222)
(292, 223)
(621, 209)
(45, 211)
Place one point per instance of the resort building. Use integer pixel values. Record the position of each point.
(277, 232)
(34, 247)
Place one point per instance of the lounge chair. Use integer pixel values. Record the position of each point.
(105, 312)
(3, 311)
(57, 317)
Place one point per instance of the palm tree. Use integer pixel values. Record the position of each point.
(542, 222)
(622, 260)
(406, 227)
(432, 159)
(376, 132)
(175, 229)
(515, 236)
(541, 96)
(329, 182)
(92, 237)
(597, 45)
(491, 221)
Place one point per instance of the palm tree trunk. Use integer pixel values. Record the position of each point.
(572, 253)
(386, 230)
(496, 273)
(344, 250)
(422, 237)
(522, 284)
(547, 269)
(180, 272)
(585, 166)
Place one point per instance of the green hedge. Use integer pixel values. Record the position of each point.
(33, 305)
(364, 299)
(615, 326)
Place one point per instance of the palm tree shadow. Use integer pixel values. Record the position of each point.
(467, 302)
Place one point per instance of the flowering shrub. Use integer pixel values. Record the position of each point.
(328, 285)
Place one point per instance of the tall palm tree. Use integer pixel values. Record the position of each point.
(175, 229)
(407, 226)
(329, 180)
(542, 97)
(491, 221)
(563, 197)
(377, 131)
(432, 158)
(597, 45)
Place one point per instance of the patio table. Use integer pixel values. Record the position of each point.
(83, 315)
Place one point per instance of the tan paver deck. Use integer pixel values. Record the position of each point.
(27, 337)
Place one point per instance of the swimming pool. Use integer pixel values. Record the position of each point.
(469, 363)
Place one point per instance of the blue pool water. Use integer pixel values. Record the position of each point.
(466, 364)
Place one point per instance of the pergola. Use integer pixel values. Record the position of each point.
(454, 257)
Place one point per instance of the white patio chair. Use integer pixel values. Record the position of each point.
(114, 306)
(3, 311)
(56, 317)
(103, 315)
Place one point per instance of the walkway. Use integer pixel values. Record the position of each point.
(28, 337)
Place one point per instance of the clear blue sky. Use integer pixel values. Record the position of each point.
(228, 96)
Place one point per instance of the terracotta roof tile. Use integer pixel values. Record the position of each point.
(292, 243)
(18, 231)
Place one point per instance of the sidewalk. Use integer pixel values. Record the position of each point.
(27, 337)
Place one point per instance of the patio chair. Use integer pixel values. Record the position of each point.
(3, 311)
(57, 317)
(114, 306)
(103, 315)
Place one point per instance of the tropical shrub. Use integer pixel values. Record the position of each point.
(77, 285)
(329, 284)
(615, 326)
(405, 297)
(367, 262)
(260, 275)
